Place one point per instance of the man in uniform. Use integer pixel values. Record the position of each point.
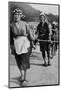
(54, 37)
(43, 34)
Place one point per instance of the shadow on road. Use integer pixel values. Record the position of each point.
(39, 64)
(17, 81)
(33, 56)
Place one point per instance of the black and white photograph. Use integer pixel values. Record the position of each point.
(33, 44)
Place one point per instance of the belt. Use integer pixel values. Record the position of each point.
(16, 36)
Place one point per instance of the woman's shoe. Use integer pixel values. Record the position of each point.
(22, 79)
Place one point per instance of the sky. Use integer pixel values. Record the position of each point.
(46, 8)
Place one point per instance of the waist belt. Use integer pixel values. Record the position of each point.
(16, 36)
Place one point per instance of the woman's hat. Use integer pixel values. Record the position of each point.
(42, 14)
(18, 11)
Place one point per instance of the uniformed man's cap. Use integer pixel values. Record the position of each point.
(42, 14)
(54, 23)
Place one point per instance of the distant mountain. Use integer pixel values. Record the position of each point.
(30, 13)
(52, 17)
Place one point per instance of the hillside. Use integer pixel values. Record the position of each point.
(30, 13)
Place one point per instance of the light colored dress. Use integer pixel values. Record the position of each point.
(21, 43)
(22, 34)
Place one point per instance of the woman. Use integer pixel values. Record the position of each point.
(21, 37)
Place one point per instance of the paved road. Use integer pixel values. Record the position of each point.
(37, 74)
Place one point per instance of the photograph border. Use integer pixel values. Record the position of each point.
(9, 46)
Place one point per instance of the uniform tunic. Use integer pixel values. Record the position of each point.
(43, 34)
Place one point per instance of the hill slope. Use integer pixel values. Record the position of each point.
(28, 11)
